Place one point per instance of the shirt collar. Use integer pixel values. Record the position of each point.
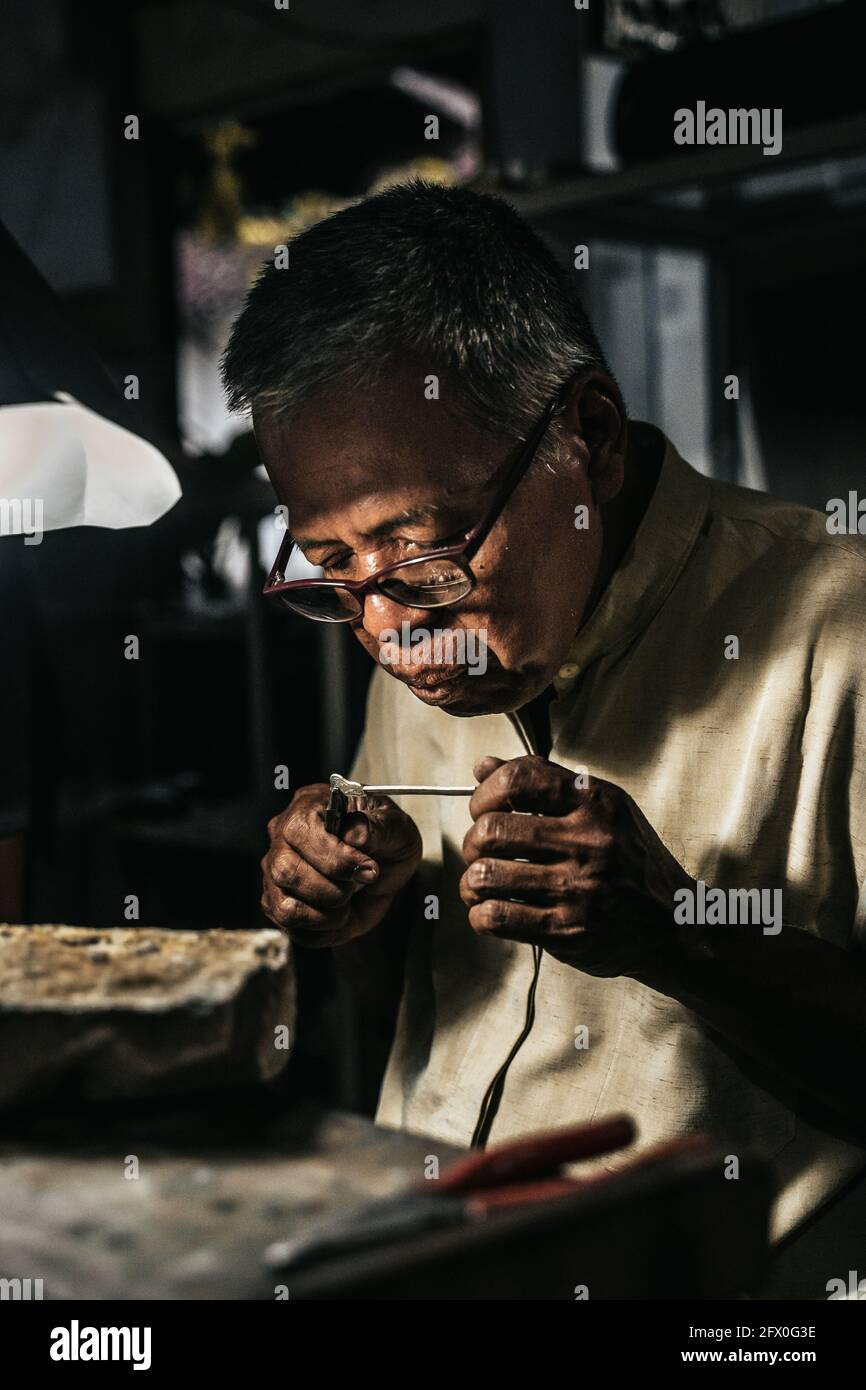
(649, 569)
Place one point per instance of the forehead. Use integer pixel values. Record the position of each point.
(389, 444)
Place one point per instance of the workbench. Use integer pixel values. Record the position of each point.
(197, 1219)
(137, 1209)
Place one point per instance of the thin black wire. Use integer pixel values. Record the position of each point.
(493, 1095)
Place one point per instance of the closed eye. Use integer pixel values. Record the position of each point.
(342, 561)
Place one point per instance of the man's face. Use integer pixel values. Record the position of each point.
(373, 478)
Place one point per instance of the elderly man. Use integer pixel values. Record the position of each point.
(650, 903)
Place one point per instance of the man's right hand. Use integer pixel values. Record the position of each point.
(324, 891)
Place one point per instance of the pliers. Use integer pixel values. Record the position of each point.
(470, 1189)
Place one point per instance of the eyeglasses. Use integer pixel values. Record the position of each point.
(435, 580)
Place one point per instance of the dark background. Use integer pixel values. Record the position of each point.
(156, 777)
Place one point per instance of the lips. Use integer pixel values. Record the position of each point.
(431, 678)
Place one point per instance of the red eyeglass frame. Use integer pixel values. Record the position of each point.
(463, 553)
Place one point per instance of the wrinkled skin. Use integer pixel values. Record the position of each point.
(325, 891)
(344, 468)
(350, 466)
(598, 889)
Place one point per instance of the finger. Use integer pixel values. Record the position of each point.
(526, 922)
(502, 835)
(526, 784)
(485, 766)
(306, 835)
(384, 832)
(289, 914)
(305, 925)
(535, 883)
(297, 878)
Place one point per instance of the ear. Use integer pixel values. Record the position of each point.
(594, 419)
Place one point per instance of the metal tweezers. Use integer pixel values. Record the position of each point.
(342, 789)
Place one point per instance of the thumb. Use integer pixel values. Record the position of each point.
(383, 831)
(485, 766)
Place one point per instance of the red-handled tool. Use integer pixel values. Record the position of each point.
(470, 1189)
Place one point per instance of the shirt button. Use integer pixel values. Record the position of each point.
(568, 671)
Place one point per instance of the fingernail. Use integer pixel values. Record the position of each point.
(366, 872)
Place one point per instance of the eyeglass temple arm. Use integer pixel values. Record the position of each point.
(513, 475)
(278, 567)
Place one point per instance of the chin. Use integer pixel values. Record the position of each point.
(474, 695)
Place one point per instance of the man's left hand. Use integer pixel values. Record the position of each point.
(597, 888)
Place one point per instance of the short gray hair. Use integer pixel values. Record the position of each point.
(419, 272)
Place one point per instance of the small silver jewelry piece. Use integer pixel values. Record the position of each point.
(342, 788)
(367, 789)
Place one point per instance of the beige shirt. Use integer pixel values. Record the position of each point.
(752, 771)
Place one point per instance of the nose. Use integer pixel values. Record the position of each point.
(383, 616)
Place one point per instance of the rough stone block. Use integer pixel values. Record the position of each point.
(136, 1011)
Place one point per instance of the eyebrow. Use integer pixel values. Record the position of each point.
(410, 516)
